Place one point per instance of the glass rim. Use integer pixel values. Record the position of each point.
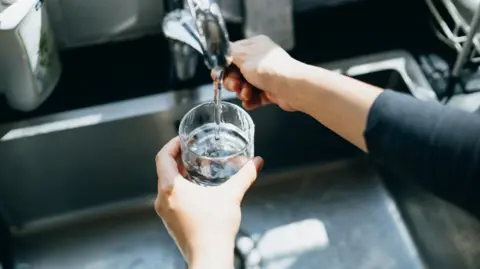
(182, 123)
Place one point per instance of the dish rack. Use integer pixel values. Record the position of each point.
(461, 35)
(452, 28)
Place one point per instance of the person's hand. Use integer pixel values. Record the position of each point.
(260, 73)
(203, 221)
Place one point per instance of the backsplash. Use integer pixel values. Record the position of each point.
(87, 22)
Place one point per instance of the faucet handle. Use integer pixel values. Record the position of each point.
(212, 32)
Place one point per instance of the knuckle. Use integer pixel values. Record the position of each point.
(165, 189)
(162, 206)
(158, 206)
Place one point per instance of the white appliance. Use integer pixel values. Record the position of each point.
(79, 23)
(29, 62)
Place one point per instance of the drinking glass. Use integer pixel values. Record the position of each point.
(211, 152)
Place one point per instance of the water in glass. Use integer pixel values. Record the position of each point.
(212, 161)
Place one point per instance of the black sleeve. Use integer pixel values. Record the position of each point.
(431, 143)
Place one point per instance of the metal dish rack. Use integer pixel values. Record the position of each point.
(456, 32)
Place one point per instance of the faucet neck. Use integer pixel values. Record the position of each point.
(212, 32)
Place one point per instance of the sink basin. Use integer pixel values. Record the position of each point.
(318, 204)
(336, 216)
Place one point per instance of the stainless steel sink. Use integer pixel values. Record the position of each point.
(77, 187)
(334, 216)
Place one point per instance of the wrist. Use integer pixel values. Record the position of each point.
(212, 256)
(295, 87)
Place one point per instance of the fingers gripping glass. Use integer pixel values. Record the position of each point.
(212, 159)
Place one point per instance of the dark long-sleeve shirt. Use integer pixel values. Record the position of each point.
(435, 145)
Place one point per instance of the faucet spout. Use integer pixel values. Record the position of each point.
(212, 32)
(202, 27)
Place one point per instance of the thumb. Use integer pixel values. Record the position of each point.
(243, 179)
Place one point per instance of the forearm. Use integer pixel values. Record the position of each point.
(435, 145)
(340, 103)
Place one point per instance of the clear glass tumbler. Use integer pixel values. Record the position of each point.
(212, 152)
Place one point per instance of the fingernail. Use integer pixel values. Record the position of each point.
(261, 162)
(244, 94)
(230, 84)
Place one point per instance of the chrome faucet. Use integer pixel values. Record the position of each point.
(200, 25)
